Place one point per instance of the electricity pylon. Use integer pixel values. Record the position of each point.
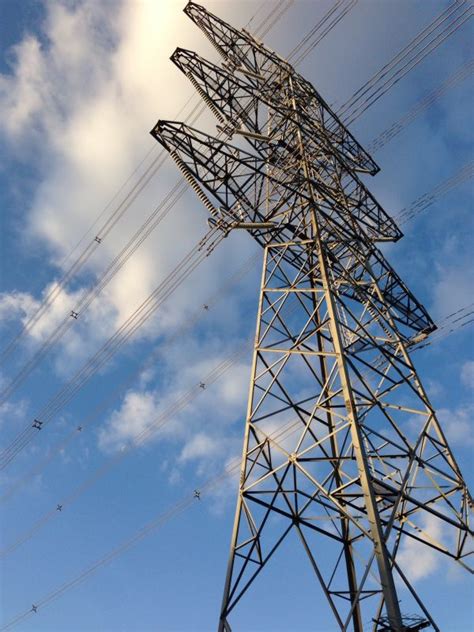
(342, 446)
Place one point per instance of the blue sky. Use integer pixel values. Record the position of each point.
(81, 85)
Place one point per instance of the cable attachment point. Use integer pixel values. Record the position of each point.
(227, 129)
(227, 226)
(37, 424)
(220, 224)
(74, 314)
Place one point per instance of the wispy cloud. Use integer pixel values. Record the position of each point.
(193, 416)
(467, 374)
(457, 423)
(419, 560)
(89, 140)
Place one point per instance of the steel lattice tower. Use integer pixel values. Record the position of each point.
(342, 446)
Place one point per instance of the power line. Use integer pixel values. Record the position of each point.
(420, 106)
(210, 302)
(111, 221)
(462, 317)
(151, 431)
(153, 220)
(88, 571)
(428, 40)
(188, 500)
(26, 435)
(423, 202)
(337, 17)
(187, 265)
(268, 24)
(380, 75)
(447, 325)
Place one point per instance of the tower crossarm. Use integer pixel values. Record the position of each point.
(239, 184)
(263, 67)
(360, 266)
(245, 108)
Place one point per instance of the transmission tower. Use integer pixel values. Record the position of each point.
(342, 446)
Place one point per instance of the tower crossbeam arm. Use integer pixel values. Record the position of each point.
(215, 171)
(244, 53)
(242, 105)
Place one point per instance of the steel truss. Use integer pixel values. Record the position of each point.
(365, 464)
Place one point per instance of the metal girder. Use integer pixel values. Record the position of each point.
(240, 184)
(309, 473)
(244, 108)
(342, 447)
(261, 65)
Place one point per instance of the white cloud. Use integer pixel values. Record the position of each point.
(197, 423)
(418, 560)
(136, 414)
(78, 103)
(458, 424)
(17, 305)
(199, 446)
(467, 374)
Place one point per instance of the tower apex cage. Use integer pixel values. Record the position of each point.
(327, 456)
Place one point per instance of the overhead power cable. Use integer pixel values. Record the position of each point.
(20, 440)
(457, 77)
(136, 320)
(447, 325)
(117, 213)
(429, 39)
(254, 16)
(462, 317)
(151, 431)
(274, 17)
(153, 220)
(326, 24)
(428, 199)
(187, 265)
(23, 438)
(88, 570)
(188, 500)
(210, 302)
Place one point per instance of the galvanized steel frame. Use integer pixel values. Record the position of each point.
(359, 461)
